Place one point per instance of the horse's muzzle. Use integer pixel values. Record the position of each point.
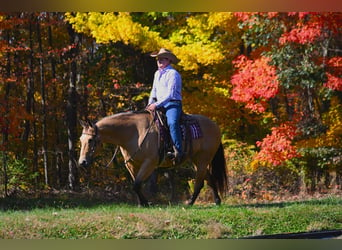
(84, 163)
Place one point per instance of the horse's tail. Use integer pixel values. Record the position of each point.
(219, 170)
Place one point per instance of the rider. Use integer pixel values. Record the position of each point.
(167, 93)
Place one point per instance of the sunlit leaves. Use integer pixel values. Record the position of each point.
(255, 83)
(302, 48)
(277, 147)
(335, 74)
(193, 44)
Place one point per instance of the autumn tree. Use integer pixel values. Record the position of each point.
(32, 98)
(293, 72)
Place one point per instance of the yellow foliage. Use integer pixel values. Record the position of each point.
(256, 164)
(37, 96)
(192, 44)
(333, 136)
(222, 19)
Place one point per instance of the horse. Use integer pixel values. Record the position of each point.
(137, 135)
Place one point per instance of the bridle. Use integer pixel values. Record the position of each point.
(94, 140)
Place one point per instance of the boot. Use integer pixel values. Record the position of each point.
(176, 156)
(179, 157)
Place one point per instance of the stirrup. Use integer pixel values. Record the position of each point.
(171, 155)
(177, 158)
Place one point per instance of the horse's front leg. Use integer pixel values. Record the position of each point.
(144, 172)
(141, 198)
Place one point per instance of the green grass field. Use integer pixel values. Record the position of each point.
(79, 219)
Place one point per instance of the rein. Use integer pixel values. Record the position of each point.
(114, 155)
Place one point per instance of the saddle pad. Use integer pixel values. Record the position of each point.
(186, 126)
(194, 128)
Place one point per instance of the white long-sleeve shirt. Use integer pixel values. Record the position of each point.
(167, 86)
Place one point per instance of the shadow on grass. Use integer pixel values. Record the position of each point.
(62, 200)
(78, 200)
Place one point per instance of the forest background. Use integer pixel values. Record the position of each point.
(272, 81)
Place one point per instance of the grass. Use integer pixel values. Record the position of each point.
(81, 219)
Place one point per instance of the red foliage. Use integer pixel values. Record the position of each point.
(302, 34)
(254, 83)
(245, 16)
(250, 17)
(333, 82)
(277, 147)
(334, 66)
(311, 26)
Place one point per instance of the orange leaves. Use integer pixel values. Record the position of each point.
(304, 48)
(277, 147)
(334, 82)
(311, 26)
(12, 118)
(303, 34)
(334, 78)
(255, 83)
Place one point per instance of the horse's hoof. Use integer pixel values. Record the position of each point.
(144, 204)
(189, 202)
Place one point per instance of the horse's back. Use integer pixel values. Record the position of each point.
(207, 125)
(210, 131)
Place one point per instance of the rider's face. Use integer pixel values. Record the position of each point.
(162, 62)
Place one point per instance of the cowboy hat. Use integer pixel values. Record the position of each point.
(167, 54)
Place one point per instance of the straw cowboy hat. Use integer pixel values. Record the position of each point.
(167, 54)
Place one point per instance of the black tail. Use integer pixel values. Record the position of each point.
(219, 170)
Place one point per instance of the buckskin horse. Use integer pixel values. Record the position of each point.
(138, 137)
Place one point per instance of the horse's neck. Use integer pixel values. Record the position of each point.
(122, 129)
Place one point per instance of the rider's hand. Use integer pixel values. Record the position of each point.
(151, 107)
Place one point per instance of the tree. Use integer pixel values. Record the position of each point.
(71, 109)
(300, 75)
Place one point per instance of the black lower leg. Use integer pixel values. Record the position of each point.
(213, 186)
(141, 198)
(197, 190)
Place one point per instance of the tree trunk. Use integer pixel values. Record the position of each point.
(31, 104)
(57, 152)
(302, 185)
(72, 111)
(43, 106)
(6, 120)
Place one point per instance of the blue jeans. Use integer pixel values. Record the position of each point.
(173, 111)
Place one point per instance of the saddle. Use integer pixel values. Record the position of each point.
(190, 130)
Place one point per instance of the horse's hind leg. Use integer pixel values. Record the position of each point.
(211, 183)
(199, 182)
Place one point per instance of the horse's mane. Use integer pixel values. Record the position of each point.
(142, 111)
(125, 113)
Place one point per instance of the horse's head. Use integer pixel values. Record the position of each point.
(90, 141)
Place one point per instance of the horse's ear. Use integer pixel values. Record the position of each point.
(84, 124)
(87, 123)
(90, 123)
